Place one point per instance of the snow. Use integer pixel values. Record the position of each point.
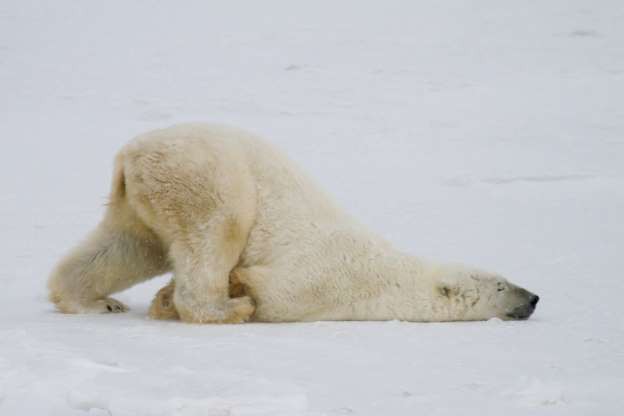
(490, 133)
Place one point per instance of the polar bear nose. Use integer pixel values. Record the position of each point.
(533, 300)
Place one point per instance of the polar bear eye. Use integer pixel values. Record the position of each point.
(500, 287)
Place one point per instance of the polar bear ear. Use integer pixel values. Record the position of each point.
(444, 290)
(447, 290)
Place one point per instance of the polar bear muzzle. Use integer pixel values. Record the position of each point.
(522, 302)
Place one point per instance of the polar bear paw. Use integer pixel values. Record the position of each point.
(229, 311)
(239, 308)
(162, 306)
(110, 305)
(106, 305)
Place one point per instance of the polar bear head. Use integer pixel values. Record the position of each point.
(481, 295)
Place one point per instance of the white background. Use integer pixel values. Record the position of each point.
(489, 132)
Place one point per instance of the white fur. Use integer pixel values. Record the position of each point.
(213, 203)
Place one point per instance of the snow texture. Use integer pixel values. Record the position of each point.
(490, 133)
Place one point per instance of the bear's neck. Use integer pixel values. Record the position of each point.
(400, 287)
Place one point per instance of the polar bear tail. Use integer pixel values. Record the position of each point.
(118, 186)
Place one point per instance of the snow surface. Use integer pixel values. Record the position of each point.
(486, 132)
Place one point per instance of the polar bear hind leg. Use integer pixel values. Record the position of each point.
(119, 253)
(195, 195)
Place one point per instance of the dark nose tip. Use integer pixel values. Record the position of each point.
(533, 300)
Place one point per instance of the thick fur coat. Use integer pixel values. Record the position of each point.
(250, 237)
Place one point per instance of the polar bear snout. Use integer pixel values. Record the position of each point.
(526, 308)
(534, 300)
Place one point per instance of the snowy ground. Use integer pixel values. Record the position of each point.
(487, 132)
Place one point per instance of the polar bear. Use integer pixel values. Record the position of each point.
(248, 236)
